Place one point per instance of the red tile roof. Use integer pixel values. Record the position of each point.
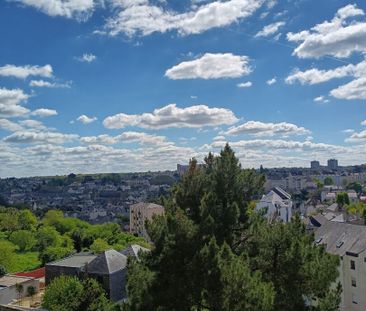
(38, 273)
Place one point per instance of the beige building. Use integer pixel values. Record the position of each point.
(347, 241)
(140, 213)
(8, 287)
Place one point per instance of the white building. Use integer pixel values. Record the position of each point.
(278, 205)
(9, 284)
(347, 241)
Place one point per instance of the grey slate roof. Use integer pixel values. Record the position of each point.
(340, 238)
(107, 262)
(76, 261)
(133, 251)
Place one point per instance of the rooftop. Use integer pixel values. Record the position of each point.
(108, 262)
(76, 261)
(10, 280)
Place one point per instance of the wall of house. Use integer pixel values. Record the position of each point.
(9, 294)
(53, 271)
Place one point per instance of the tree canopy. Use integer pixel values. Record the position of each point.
(210, 254)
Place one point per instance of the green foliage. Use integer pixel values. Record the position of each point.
(7, 251)
(25, 261)
(63, 294)
(99, 246)
(27, 220)
(342, 198)
(162, 180)
(328, 181)
(24, 239)
(211, 252)
(3, 271)
(356, 186)
(70, 294)
(31, 291)
(46, 237)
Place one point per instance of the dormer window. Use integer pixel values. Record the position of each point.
(339, 244)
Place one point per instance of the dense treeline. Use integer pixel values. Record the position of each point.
(27, 242)
(211, 252)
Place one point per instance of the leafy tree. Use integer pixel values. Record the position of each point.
(27, 220)
(48, 236)
(31, 291)
(356, 186)
(328, 181)
(19, 289)
(209, 254)
(70, 294)
(99, 246)
(25, 240)
(342, 199)
(63, 294)
(7, 251)
(53, 253)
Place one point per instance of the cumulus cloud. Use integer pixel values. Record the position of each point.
(144, 18)
(126, 137)
(339, 37)
(270, 29)
(355, 89)
(172, 116)
(86, 120)
(79, 9)
(244, 84)
(32, 136)
(211, 66)
(87, 58)
(9, 125)
(10, 100)
(321, 99)
(23, 72)
(42, 83)
(271, 81)
(363, 122)
(357, 137)
(258, 128)
(315, 76)
(44, 112)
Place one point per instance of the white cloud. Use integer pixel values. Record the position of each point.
(321, 99)
(338, 37)
(355, 89)
(42, 83)
(87, 58)
(86, 120)
(211, 66)
(172, 116)
(348, 131)
(44, 112)
(126, 137)
(9, 125)
(10, 101)
(315, 76)
(245, 84)
(141, 17)
(271, 81)
(34, 136)
(270, 29)
(79, 9)
(363, 122)
(258, 128)
(23, 72)
(357, 137)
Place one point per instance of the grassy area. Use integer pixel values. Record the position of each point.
(25, 262)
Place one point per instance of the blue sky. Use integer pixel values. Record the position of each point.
(134, 85)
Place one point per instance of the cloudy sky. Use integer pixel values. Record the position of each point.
(134, 85)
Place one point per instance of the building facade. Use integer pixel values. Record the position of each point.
(140, 213)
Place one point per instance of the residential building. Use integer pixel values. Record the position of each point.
(278, 205)
(348, 241)
(108, 268)
(332, 164)
(9, 287)
(315, 165)
(140, 213)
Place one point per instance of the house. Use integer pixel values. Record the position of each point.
(9, 287)
(109, 268)
(348, 241)
(38, 274)
(278, 205)
(140, 213)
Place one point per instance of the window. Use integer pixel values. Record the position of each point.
(353, 282)
(354, 299)
(353, 265)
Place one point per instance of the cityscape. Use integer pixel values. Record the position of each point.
(191, 155)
